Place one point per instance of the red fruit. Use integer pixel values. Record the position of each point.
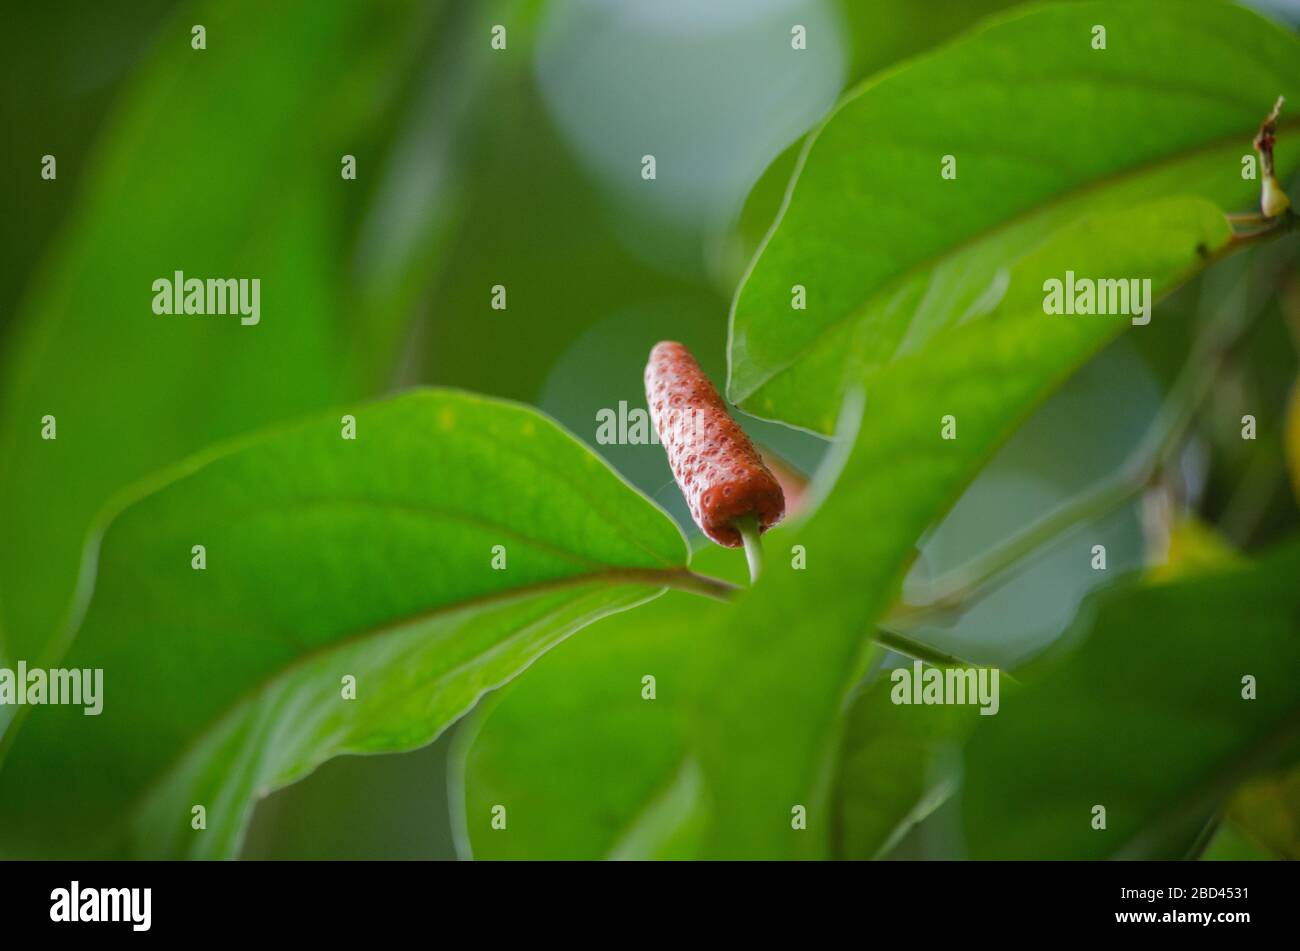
(713, 461)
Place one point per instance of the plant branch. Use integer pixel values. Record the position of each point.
(902, 644)
(1270, 228)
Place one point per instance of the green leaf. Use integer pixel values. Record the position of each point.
(1044, 129)
(587, 768)
(1146, 718)
(789, 653)
(325, 557)
(892, 768)
(221, 163)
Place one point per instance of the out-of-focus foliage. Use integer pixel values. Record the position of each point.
(894, 766)
(1151, 718)
(218, 163)
(1108, 406)
(1267, 811)
(1293, 439)
(59, 75)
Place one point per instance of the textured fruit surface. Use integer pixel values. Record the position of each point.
(713, 461)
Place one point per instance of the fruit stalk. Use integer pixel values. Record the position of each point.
(748, 528)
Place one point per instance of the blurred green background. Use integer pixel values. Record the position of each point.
(478, 167)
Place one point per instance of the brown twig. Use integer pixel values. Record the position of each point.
(1273, 200)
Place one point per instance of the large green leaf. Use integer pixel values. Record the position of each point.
(1147, 719)
(325, 557)
(221, 163)
(769, 708)
(1043, 127)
